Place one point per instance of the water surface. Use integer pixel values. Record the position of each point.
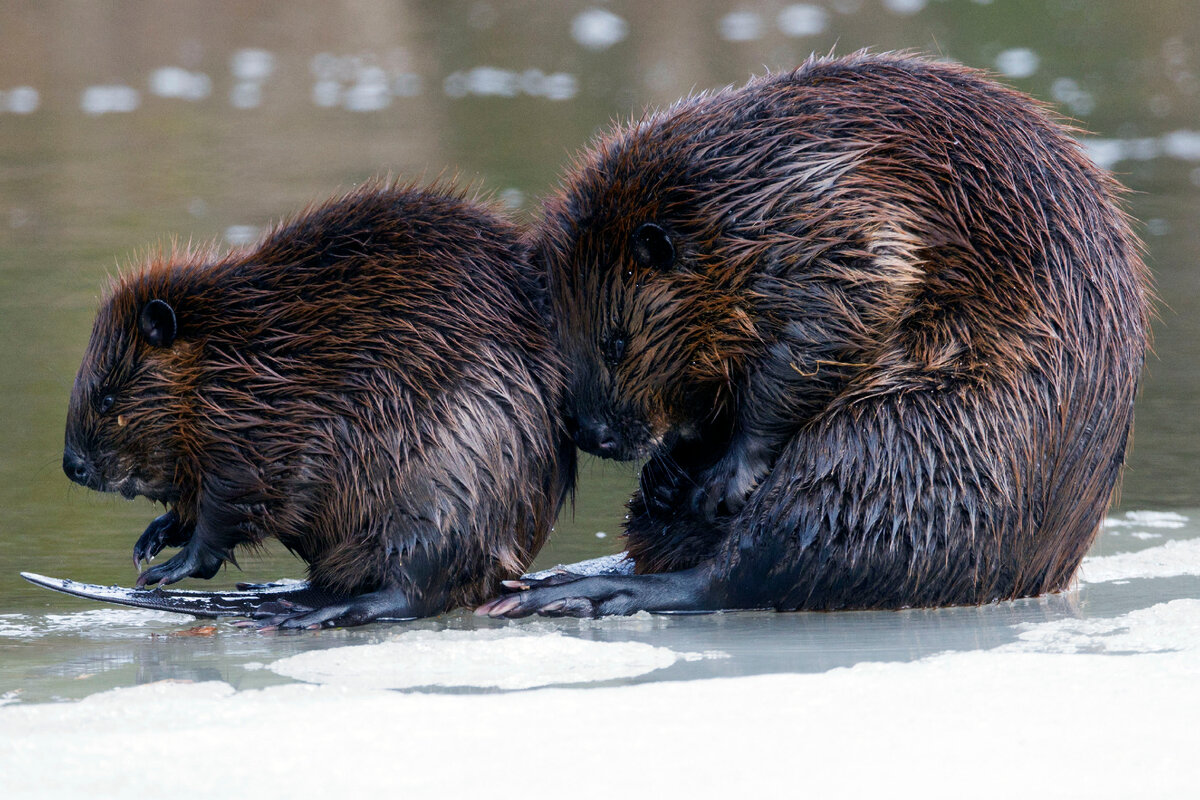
(129, 124)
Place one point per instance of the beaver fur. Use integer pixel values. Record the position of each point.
(877, 323)
(374, 384)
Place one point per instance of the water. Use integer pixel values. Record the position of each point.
(126, 125)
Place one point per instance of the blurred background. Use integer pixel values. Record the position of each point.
(123, 124)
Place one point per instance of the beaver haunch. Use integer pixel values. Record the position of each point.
(374, 384)
(878, 325)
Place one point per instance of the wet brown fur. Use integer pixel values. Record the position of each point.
(894, 362)
(373, 384)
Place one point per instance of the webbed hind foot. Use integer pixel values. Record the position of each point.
(390, 604)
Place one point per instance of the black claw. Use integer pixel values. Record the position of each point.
(165, 530)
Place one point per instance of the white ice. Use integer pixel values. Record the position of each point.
(982, 724)
(501, 659)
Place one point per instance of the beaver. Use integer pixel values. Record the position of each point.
(375, 384)
(877, 324)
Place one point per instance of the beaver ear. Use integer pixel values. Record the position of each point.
(157, 322)
(652, 246)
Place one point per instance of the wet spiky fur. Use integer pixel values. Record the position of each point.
(373, 384)
(895, 359)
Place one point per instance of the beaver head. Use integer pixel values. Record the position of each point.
(707, 247)
(123, 432)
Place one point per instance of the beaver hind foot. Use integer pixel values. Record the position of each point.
(285, 615)
(682, 592)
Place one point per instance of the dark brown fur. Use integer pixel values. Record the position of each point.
(373, 384)
(892, 362)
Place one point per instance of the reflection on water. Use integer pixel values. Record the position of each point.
(128, 124)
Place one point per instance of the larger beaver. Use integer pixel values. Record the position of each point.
(374, 384)
(877, 323)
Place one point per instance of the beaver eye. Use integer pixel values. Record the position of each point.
(106, 403)
(652, 246)
(614, 350)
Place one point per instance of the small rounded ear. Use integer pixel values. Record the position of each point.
(652, 246)
(157, 323)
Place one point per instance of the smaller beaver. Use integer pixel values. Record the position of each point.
(374, 384)
(877, 324)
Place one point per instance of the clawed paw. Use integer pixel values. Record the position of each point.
(165, 530)
(724, 491)
(190, 562)
(661, 483)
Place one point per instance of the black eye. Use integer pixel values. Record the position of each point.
(105, 404)
(614, 350)
(652, 246)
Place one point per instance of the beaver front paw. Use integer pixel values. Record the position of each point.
(195, 560)
(165, 531)
(662, 484)
(725, 488)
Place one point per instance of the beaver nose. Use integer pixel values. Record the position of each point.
(597, 438)
(76, 467)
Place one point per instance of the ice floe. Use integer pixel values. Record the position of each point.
(499, 659)
(1174, 558)
(1166, 627)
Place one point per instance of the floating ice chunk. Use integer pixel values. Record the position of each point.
(501, 659)
(905, 6)
(370, 93)
(560, 86)
(1166, 627)
(252, 64)
(1069, 92)
(21, 100)
(741, 26)
(109, 99)
(1105, 152)
(598, 29)
(1147, 519)
(1184, 145)
(179, 82)
(238, 235)
(1018, 62)
(1179, 557)
(496, 82)
(802, 19)
(512, 198)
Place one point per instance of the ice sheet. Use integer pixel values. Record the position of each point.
(500, 659)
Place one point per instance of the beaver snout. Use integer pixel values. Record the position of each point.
(598, 438)
(78, 468)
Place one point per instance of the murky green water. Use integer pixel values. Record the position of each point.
(127, 124)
